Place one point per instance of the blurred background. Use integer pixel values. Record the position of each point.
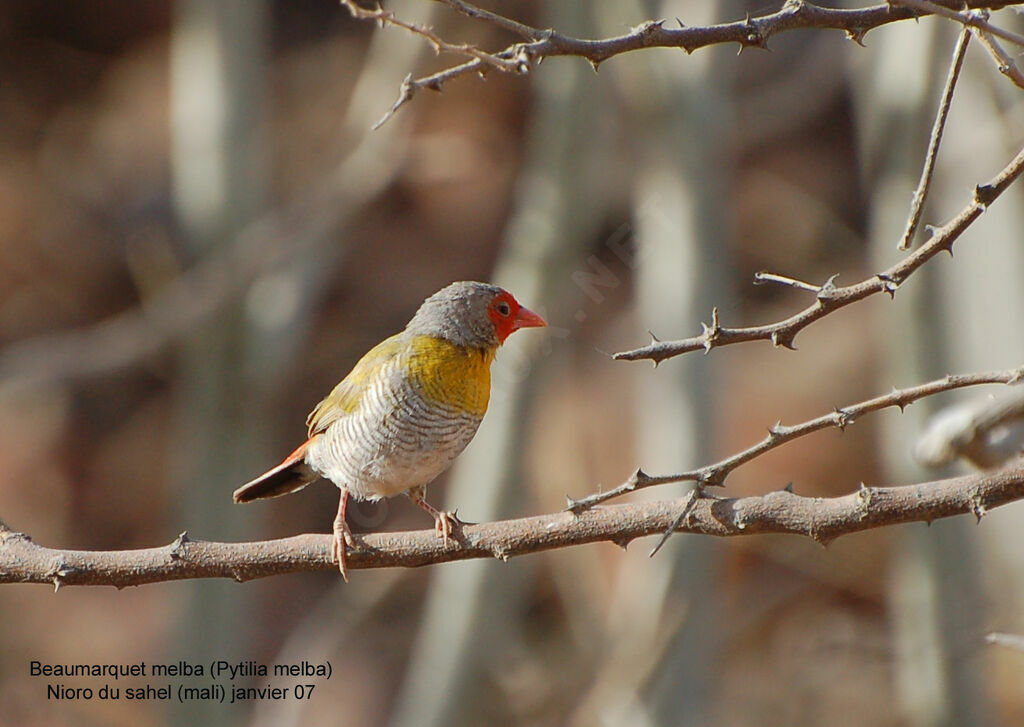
(199, 235)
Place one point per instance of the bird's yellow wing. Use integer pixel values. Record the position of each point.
(346, 396)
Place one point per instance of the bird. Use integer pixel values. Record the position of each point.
(406, 410)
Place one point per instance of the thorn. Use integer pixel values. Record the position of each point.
(823, 540)
(654, 339)
(647, 27)
(978, 506)
(574, 506)
(828, 289)
(864, 495)
(178, 546)
(1017, 376)
(889, 284)
(857, 36)
(897, 395)
(783, 339)
(638, 479)
(777, 430)
(60, 572)
(622, 542)
(711, 333)
(788, 488)
(681, 23)
(753, 37)
(983, 195)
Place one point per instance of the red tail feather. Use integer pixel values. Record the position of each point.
(290, 476)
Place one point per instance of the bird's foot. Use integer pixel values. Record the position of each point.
(339, 549)
(444, 523)
(342, 537)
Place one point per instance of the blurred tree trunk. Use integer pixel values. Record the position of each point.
(680, 121)
(217, 62)
(474, 609)
(982, 311)
(934, 597)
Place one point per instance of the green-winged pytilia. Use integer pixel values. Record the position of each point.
(407, 408)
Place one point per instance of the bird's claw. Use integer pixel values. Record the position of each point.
(445, 523)
(343, 540)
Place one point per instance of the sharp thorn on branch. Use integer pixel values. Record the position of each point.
(783, 339)
(828, 289)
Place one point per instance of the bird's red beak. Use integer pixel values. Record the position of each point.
(526, 318)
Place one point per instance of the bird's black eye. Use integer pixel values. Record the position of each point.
(503, 308)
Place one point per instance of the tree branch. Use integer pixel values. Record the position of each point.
(1004, 61)
(830, 298)
(713, 475)
(968, 18)
(823, 519)
(748, 33)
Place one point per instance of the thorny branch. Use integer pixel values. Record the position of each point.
(830, 298)
(713, 475)
(1004, 61)
(823, 519)
(385, 17)
(754, 32)
(968, 18)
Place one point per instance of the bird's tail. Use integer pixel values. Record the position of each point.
(290, 476)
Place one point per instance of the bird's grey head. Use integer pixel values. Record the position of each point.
(459, 313)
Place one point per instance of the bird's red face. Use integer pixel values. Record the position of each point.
(508, 316)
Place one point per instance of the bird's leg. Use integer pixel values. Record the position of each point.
(443, 521)
(342, 536)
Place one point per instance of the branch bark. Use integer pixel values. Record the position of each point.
(829, 297)
(748, 33)
(823, 519)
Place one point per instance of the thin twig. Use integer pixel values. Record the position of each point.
(713, 475)
(1004, 62)
(527, 32)
(782, 333)
(966, 17)
(821, 518)
(763, 277)
(921, 193)
(385, 17)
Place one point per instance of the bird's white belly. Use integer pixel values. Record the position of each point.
(382, 454)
